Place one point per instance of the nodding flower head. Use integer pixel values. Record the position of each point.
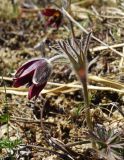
(35, 73)
(76, 51)
(54, 17)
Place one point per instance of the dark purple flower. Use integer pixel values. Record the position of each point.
(54, 17)
(35, 74)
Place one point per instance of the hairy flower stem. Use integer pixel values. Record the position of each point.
(56, 57)
(87, 106)
(87, 111)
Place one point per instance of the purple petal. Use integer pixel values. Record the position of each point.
(34, 90)
(24, 67)
(42, 74)
(17, 82)
(49, 12)
(38, 67)
(29, 67)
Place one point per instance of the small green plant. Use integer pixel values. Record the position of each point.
(9, 144)
(79, 108)
(110, 143)
(4, 118)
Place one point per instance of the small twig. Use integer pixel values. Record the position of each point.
(25, 120)
(117, 121)
(96, 13)
(77, 143)
(100, 48)
(44, 149)
(112, 17)
(93, 61)
(121, 61)
(41, 118)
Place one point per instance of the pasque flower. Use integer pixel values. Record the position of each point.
(35, 73)
(76, 52)
(54, 17)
